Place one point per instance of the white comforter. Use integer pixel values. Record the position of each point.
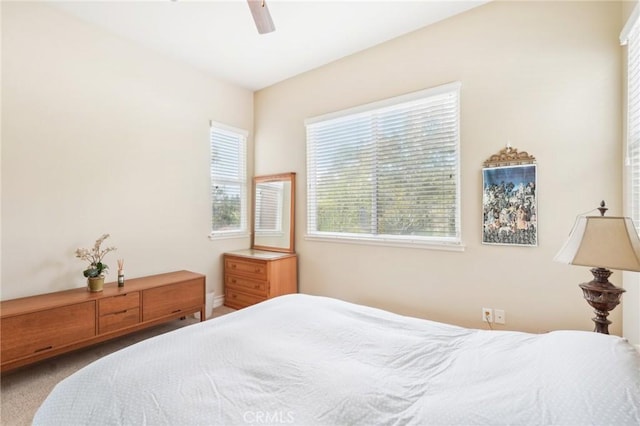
(310, 360)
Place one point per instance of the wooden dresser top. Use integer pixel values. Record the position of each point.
(259, 254)
(81, 294)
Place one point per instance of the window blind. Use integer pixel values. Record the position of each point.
(631, 37)
(228, 180)
(387, 171)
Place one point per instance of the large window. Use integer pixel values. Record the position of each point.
(228, 181)
(387, 172)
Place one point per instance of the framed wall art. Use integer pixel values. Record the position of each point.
(509, 199)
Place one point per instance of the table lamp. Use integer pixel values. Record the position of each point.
(602, 242)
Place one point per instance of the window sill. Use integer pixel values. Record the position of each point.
(444, 246)
(228, 236)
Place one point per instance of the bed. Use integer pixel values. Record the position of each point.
(311, 360)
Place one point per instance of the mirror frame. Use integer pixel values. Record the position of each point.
(281, 177)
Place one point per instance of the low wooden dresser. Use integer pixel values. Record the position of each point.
(38, 327)
(251, 276)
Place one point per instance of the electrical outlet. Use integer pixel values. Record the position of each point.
(500, 317)
(487, 314)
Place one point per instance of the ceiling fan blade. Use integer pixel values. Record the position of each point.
(261, 16)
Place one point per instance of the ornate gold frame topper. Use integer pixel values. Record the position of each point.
(509, 156)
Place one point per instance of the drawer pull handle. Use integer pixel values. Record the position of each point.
(120, 295)
(233, 266)
(233, 280)
(43, 349)
(120, 312)
(233, 296)
(176, 311)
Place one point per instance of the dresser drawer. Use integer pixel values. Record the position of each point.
(251, 276)
(255, 269)
(172, 299)
(237, 282)
(117, 320)
(238, 300)
(50, 329)
(118, 303)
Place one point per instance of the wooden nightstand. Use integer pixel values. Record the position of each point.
(252, 276)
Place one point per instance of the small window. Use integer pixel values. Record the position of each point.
(228, 181)
(387, 172)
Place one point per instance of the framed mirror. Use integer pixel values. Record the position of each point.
(273, 212)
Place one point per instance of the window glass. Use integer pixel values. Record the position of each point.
(228, 180)
(387, 171)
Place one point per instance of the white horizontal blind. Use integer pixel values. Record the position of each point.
(228, 180)
(632, 38)
(387, 171)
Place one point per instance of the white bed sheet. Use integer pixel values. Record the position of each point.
(310, 360)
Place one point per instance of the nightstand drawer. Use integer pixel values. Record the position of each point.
(119, 303)
(255, 275)
(251, 268)
(239, 300)
(117, 320)
(247, 285)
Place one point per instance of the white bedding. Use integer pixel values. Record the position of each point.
(310, 360)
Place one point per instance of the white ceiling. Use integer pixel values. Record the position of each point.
(220, 36)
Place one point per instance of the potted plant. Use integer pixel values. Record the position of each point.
(96, 269)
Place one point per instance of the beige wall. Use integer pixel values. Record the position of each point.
(102, 136)
(545, 76)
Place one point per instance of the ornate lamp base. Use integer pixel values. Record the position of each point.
(602, 296)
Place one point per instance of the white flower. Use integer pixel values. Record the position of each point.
(94, 257)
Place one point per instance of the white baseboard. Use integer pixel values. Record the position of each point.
(218, 301)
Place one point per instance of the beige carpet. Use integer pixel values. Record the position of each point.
(22, 391)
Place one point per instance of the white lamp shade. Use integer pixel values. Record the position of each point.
(602, 241)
